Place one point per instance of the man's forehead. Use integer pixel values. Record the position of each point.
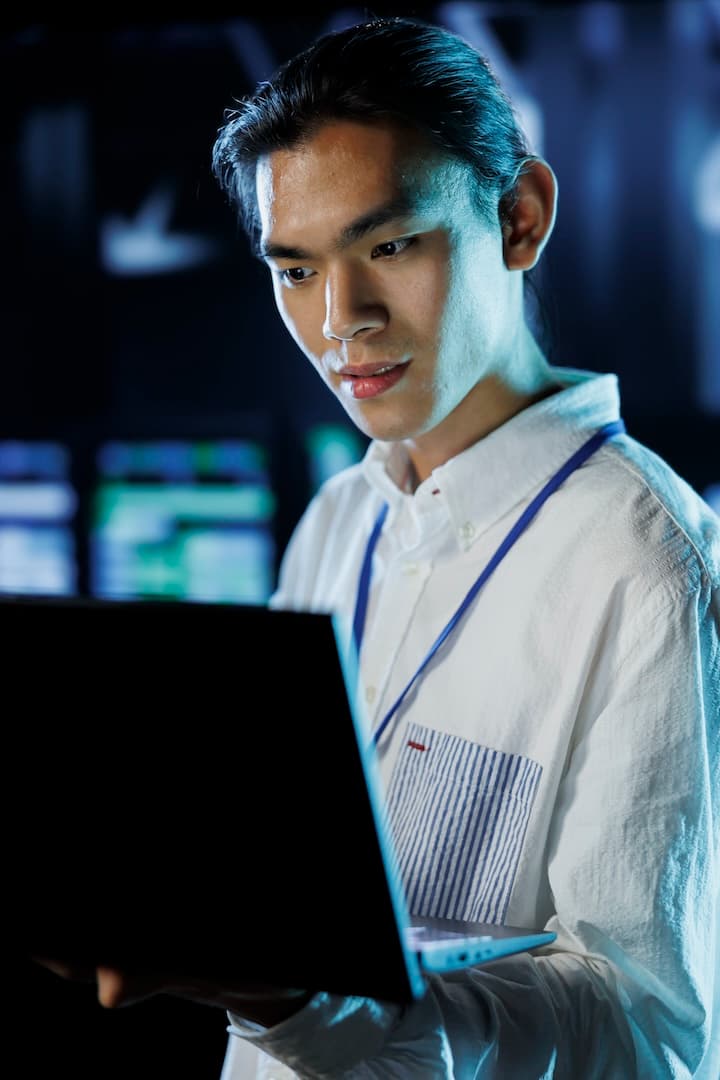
(354, 168)
(335, 150)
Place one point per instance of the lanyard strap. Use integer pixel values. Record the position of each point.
(364, 581)
(616, 427)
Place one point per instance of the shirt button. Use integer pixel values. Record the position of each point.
(410, 568)
(370, 694)
(467, 530)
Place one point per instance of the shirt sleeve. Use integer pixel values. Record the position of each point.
(627, 989)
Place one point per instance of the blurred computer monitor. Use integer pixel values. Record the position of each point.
(183, 518)
(38, 506)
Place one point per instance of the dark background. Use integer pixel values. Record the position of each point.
(131, 305)
(108, 136)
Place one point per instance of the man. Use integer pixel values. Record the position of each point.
(540, 607)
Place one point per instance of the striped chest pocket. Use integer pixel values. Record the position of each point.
(458, 813)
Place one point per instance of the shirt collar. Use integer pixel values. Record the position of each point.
(484, 482)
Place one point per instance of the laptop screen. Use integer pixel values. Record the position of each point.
(192, 795)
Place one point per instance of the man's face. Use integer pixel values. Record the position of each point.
(387, 277)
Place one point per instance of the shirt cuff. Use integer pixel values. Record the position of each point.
(353, 1028)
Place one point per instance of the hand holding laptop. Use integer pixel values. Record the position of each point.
(267, 1005)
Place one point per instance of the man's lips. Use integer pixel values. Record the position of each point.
(369, 380)
(364, 371)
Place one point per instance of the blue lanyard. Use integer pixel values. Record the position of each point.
(616, 427)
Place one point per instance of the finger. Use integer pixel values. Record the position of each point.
(115, 989)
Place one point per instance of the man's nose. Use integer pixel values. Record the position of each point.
(351, 307)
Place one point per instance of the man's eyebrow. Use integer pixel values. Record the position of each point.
(398, 208)
(280, 251)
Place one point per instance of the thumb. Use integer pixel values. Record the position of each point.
(115, 988)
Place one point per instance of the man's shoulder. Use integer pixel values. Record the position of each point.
(344, 488)
(658, 514)
(336, 503)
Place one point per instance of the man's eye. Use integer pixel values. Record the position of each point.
(392, 247)
(295, 275)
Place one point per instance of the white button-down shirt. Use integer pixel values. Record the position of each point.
(556, 763)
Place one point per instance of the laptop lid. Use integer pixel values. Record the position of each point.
(194, 793)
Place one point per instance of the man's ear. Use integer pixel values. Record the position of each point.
(532, 217)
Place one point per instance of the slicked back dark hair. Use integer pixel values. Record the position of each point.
(397, 70)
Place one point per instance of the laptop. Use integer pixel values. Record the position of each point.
(192, 791)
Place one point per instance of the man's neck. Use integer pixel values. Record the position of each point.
(488, 406)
